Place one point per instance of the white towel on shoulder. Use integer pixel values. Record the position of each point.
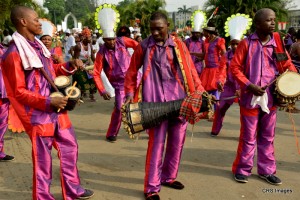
(262, 101)
(29, 57)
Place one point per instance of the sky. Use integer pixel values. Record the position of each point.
(173, 5)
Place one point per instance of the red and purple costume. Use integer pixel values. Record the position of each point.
(115, 63)
(254, 63)
(164, 79)
(230, 88)
(4, 107)
(196, 47)
(28, 92)
(212, 58)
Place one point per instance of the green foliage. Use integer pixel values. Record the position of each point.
(140, 9)
(7, 5)
(81, 9)
(229, 7)
(56, 10)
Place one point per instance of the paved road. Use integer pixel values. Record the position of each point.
(115, 171)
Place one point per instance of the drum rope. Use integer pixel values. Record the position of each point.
(294, 130)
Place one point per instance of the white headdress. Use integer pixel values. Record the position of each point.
(107, 18)
(48, 27)
(198, 19)
(237, 25)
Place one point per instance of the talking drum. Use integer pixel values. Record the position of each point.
(140, 116)
(74, 95)
(62, 82)
(288, 87)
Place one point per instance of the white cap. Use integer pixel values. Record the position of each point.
(67, 31)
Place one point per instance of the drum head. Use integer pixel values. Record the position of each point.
(62, 81)
(288, 84)
(75, 95)
(56, 94)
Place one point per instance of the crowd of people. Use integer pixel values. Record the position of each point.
(160, 68)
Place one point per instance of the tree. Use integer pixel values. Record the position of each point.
(81, 9)
(56, 10)
(228, 7)
(184, 10)
(7, 5)
(140, 9)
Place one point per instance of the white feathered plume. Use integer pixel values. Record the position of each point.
(107, 18)
(198, 19)
(237, 25)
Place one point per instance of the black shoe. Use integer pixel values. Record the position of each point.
(111, 138)
(152, 196)
(212, 134)
(174, 184)
(7, 158)
(272, 179)
(240, 178)
(86, 195)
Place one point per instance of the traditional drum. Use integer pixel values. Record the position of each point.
(62, 82)
(140, 116)
(288, 87)
(74, 96)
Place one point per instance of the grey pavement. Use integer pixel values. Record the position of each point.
(115, 171)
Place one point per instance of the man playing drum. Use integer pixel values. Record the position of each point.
(164, 79)
(28, 91)
(254, 66)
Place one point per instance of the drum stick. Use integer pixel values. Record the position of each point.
(227, 98)
(71, 91)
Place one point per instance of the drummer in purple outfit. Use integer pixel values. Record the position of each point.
(229, 89)
(235, 27)
(163, 80)
(114, 58)
(4, 109)
(254, 66)
(29, 91)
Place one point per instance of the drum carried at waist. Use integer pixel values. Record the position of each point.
(138, 117)
(287, 87)
(63, 83)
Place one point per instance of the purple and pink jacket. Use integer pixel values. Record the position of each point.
(114, 62)
(254, 63)
(29, 91)
(196, 47)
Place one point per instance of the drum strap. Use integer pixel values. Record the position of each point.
(49, 79)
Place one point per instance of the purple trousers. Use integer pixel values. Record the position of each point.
(158, 170)
(222, 107)
(257, 129)
(65, 142)
(4, 107)
(116, 116)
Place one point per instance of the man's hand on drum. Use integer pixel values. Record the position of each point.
(77, 64)
(220, 87)
(106, 96)
(129, 99)
(59, 102)
(256, 90)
